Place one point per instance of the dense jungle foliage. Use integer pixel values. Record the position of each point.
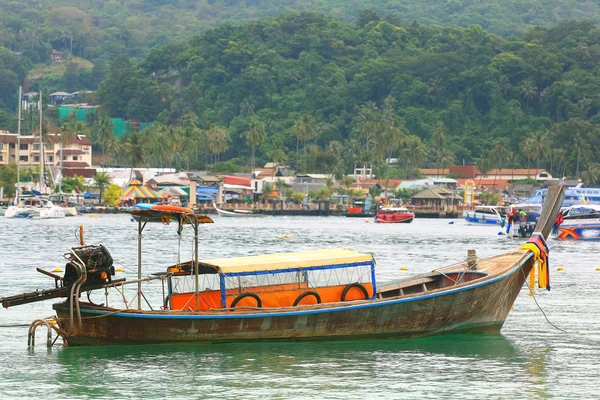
(348, 93)
(320, 92)
(92, 33)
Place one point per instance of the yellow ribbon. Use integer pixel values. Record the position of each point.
(541, 266)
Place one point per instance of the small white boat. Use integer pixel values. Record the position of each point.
(35, 207)
(485, 215)
(235, 213)
(579, 222)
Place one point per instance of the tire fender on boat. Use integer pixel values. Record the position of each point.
(305, 294)
(243, 296)
(354, 285)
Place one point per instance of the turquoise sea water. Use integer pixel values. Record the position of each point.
(530, 359)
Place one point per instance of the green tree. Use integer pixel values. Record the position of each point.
(255, 135)
(101, 181)
(304, 129)
(112, 195)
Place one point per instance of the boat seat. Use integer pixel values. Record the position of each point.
(405, 284)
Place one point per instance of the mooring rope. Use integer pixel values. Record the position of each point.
(532, 294)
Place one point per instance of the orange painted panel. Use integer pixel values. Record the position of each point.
(273, 296)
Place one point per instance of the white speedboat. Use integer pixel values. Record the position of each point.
(521, 219)
(485, 215)
(579, 222)
(35, 207)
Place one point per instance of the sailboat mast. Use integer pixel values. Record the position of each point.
(41, 146)
(19, 149)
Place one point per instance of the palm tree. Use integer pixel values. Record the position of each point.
(113, 147)
(218, 141)
(543, 148)
(582, 152)
(529, 91)
(280, 184)
(415, 153)
(304, 129)
(255, 135)
(484, 165)
(439, 136)
(444, 158)
(367, 124)
(592, 175)
(101, 181)
(503, 84)
(133, 150)
(529, 149)
(104, 132)
(277, 154)
(500, 154)
(559, 158)
(156, 143)
(512, 161)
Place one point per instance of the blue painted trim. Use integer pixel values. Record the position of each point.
(282, 271)
(312, 312)
(223, 292)
(373, 281)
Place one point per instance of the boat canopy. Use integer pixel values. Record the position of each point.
(288, 261)
(160, 212)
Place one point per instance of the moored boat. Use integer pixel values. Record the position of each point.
(579, 222)
(35, 207)
(234, 213)
(360, 208)
(485, 215)
(522, 218)
(394, 215)
(328, 294)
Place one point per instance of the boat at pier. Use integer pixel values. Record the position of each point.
(579, 222)
(327, 294)
(394, 215)
(34, 207)
(485, 215)
(525, 217)
(234, 213)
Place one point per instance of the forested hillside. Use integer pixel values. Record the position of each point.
(347, 93)
(323, 92)
(100, 30)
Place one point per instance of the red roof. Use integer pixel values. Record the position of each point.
(487, 182)
(70, 152)
(8, 138)
(236, 180)
(435, 171)
(75, 164)
(465, 171)
(516, 171)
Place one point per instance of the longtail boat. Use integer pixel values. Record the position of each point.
(329, 294)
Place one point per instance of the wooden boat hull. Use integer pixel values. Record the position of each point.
(480, 306)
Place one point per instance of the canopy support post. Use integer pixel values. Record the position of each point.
(141, 226)
(196, 259)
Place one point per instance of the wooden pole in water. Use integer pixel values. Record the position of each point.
(81, 242)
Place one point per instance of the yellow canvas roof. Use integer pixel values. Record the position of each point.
(279, 261)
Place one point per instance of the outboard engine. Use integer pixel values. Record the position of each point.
(98, 264)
